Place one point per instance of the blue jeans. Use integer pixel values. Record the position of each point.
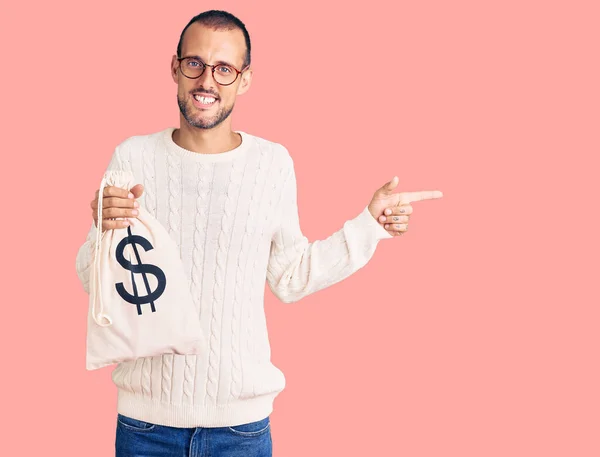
(137, 438)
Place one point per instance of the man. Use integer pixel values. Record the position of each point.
(229, 200)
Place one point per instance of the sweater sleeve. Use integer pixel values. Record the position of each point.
(298, 267)
(83, 260)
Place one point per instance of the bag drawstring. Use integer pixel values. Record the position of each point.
(97, 292)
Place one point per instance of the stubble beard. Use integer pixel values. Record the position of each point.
(198, 120)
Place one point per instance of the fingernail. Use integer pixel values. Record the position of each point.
(130, 195)
(386, 226)
(388, 211)
(382, 218)
(134, 212)
(136, 204)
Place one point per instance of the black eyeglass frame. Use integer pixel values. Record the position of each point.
(212, 67)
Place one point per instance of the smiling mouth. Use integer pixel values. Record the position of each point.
(204, 102)
(205, 99)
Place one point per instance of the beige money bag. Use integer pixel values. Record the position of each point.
(140, 300)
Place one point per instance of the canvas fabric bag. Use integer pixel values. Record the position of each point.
(140, 301)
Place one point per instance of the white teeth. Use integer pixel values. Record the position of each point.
(205, 100)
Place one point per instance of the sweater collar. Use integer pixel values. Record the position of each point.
(232, 154)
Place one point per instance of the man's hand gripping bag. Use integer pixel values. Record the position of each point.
(140, 301)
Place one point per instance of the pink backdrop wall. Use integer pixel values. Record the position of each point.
(475, 334)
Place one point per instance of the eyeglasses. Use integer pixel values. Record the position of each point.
(193, 67)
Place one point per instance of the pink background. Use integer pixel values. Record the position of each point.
(475, 334)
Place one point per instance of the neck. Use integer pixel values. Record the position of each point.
(206, 141)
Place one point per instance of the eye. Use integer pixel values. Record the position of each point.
(193, 63)
(224, 69)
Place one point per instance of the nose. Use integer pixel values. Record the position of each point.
(206, 79)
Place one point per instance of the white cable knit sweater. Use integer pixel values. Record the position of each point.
(234, 216)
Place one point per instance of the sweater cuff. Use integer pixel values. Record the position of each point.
(366, 220)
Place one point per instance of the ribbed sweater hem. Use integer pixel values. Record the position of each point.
(235, 412)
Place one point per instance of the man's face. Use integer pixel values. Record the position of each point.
(211, 46)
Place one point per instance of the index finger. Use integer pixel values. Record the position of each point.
(408, 197)
(114, 191)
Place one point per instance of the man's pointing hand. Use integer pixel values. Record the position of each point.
(393, 209)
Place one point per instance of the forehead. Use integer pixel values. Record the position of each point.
(214, 45)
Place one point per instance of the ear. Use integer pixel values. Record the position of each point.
(246, 81)
(174, 69)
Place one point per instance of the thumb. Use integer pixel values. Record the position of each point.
(390, 186)
(137, 190)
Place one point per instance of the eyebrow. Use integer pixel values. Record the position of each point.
(218, 62)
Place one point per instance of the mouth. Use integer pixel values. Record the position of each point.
(203, 101)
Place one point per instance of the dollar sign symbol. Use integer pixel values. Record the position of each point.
(142, 268)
